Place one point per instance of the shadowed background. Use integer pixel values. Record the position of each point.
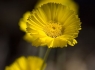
(12, 45)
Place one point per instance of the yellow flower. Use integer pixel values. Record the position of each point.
(22, 25)
(29, 63)
(53, 25)
(70, 3)
(22, 22)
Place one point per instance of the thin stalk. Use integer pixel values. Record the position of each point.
(45, 57)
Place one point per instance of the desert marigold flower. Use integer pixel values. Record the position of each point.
(29, 63)
(22, 22)
(53, 25)
(70, 3)
(22, 25)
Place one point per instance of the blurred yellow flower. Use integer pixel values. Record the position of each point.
(70, 3)
(22, 25)
(29, 63)
(22, 22)
(53, 25)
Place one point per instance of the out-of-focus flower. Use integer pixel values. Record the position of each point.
(22, 22)
(70, 3)
(22, 25)
(29, 63)
(53, 25)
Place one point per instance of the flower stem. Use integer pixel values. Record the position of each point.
(42, 51)
(45, 57)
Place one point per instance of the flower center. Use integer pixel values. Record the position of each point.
(53, 30)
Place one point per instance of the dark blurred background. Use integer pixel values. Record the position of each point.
(13, 46)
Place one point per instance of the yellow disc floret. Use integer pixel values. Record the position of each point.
(53, 29)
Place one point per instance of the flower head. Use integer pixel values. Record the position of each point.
(70, 3)
(29, 63)
(53, 25)
(22, 22)
(22, 25)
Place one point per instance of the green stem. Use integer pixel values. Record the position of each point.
(45, 57)
(42, 51)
